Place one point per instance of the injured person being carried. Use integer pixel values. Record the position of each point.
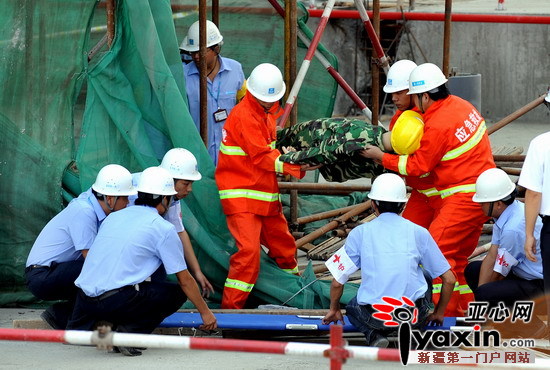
(336, 143)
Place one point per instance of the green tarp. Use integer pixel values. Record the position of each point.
(135, 111)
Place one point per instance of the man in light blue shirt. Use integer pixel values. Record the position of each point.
(505, 274)
(390, 251)
(57, 255)
(129, 247)
(225, 78)
(182, 164)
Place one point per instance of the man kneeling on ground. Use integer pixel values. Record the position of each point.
(394, 256)
(505, 274)
(128, 248)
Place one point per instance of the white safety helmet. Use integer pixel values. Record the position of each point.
(156, 181)
(191, 42)
(114, 180)
(398, 76)
(424, 78)
(493, 185)
(266, 83)
(182, 164)
(388, 187)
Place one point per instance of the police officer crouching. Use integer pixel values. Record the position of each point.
(127, 250)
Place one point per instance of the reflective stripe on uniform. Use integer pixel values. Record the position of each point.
(248, 193)
(239, 285)
(402, 165)
(279, 165)
(467, 188)
(424, 175)
(462, 289)
(292, 271)
(429, 192)
(474, 140)
(231, 150)
(237, 150)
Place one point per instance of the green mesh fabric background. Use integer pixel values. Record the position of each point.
(135, 110)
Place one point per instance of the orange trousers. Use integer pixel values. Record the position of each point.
(251, 230)
(456, 229)
(420, 208)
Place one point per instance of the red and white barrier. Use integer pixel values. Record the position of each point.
(307, 61)
(330, 69)
(382, 58)
(336, 351)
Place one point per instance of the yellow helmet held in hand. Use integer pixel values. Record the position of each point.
(407, 132)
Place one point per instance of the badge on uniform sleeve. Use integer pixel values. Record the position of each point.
(341, 266)
(220, 115)
(504, 262)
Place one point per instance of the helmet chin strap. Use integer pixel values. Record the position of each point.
(107, 203)
(491, 206)
(420, 102)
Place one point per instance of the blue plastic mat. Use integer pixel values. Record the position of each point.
(269, 322)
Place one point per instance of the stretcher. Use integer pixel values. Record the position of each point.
(270, 322)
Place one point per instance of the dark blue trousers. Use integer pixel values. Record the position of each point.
(128, 310)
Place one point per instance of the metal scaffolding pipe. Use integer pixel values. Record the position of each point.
(325, 186)
(203, 87)
(447, 37)
(372, 32)
(440, 17)
(520, 112)
(110, 22)
(357, 210)
(509, 158)
(323, 215)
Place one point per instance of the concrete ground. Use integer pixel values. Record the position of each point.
(32, 355)
(37, 355)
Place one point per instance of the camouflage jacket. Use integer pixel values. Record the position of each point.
(333, 142)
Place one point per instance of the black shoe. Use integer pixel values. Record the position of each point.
(379, 341)
(50, 320)
(127, 351)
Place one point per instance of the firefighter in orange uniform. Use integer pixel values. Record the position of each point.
(423, 200)
(455, 149)
(247, 181)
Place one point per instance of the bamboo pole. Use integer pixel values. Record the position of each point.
(518, 113)
(203, 90)
(360, 208)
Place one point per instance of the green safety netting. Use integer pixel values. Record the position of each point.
(135, 110)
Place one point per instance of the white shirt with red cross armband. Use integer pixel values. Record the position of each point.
(341, 266)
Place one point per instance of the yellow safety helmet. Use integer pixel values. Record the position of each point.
(407, 132)
(242, 91)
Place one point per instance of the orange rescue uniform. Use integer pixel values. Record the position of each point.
(424, 198)
(246, 176)
(455, 149)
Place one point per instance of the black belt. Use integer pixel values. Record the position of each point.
(544, 218)
(33, 267)
(111, 292)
